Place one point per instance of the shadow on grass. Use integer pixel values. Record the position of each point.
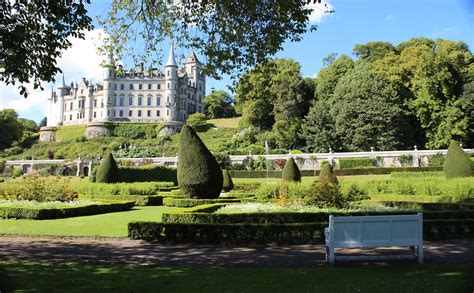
(82, 277)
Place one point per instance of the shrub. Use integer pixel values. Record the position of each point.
(355, 193)
(326, 173)
(17, 172)
(268, 192)
(148, 173)
(326, 194)
(2, 166)
(436, 160)
(34, 188)
(93, 174)
(199, 174)
(198, 122)
(457, 163)
(352, 163)
(108, 171)
(228, 184)
(291, 172)
(81, 138)
(136, 130)
(405, 160)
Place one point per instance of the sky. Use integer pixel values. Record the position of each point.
(354, 22)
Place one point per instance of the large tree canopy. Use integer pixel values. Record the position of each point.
(232, 35)
(219, 104)
(34, 35)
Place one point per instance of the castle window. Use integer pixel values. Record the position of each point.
(200, 99)
(192, 97)
(148, 101)
(130, 101)
(122, 86)
(114, 114)
(168, 73)
(70, 117)
(148, 113)
(158, 101)
(168, 85)
(121, 101)
(77, 116)
(199, 86)
(130, 113)
(139, 101)
(115, 86)
(121, 113)
(176, 86)
(168, 99)
(149, 86)
(81, 91)
(167, 112)
(140, 86)
(159, 86)
(95, 102)
(131, 86)
(158, 113)
(139, 113)
(70, 106)
(95, 114)
(189, 96)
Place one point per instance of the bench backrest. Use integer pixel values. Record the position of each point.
(376, 231)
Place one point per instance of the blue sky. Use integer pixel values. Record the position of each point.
(354, 22)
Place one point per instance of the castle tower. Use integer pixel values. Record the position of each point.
(171, 87)
(109, 77)
(88, 107)
(61, 92)
(196, 79)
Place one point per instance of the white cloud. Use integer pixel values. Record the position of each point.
(320, 10)
(81, 60)
(388, 17)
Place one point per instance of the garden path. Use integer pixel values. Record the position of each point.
(126, 251)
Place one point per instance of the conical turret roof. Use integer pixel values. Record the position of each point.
(171, 60)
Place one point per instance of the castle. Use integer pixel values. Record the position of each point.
(132, 96)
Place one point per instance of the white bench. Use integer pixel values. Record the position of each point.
(374, 231)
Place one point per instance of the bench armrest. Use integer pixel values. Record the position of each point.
(326, 234)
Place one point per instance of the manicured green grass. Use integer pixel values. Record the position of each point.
(225, 122)
(73, 277)
(65, 133)
(308, 179)
(104, 225)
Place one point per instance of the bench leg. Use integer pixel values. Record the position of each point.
(331, 256)
(420, 253)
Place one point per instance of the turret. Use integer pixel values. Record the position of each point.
(61, 92)
(109, 76)
(171, 79)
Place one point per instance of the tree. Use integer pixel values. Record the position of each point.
(219, 104)
(34, 35)
(318, 129)
(329, 76)
(199, 174)
(108, 171)
(457, 162)
(198, 121)
(231, 35)
(368, 112)
(291, 172)
(43, 122)
(11, 129)
(373, 50)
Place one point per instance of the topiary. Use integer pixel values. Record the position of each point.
(228, 184)
(199, 174)
(327, 173)
(291, 172)
(457, 162)
(108, 171)
(93, 174)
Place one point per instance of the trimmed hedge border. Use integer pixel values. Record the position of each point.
(140, 200)
(57, 213)
(265, 233)
(191, 202)
(338, 172)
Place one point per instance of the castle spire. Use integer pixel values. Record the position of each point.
(171, 61)
(63, 84)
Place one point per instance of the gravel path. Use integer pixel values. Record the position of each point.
(118, 250)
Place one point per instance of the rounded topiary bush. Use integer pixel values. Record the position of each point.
(327, 173)
(199, 174)
(228, 184)
(108, 171)
(291, 172)
(457, 163)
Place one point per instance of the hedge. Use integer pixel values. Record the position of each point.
(148, 174)
(438, 206)
(289, 217)
(338, 172)
(265, 233)
(140, 200)
(192, 202)
(354, 163)
(67, 212)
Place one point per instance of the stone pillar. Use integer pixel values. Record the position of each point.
(416, 157)
(97, 129)
(79, 167)
(47, 133)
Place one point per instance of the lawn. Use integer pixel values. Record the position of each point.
(307, 179)
(104, 225)
(225, 122)
(73, 277)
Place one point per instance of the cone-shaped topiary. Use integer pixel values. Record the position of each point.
(327, 173)
(457, 162)
(228, 184)
(199, 174)
(108, 171)
(291, 172)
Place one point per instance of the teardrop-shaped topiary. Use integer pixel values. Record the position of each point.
(228, 184)
(199, 174)
(327, 173)
(291, 172)
(457, 162)
(108, 171)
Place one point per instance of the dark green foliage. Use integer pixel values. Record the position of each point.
(57, 213)
(436, 160)
(219, 104)
(93, 174)
(327, 174)
(291, 172)
(228, 184)
(136, 130)
(192, 202)
(11, 129)
(353, 163)
(457, 162)
(149, 173)
(326, 194)
(140, 200)
(108, 171)
(198, 121)
(199, 174)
